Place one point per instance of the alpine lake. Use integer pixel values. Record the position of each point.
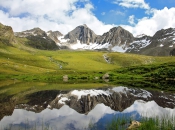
(80, 105)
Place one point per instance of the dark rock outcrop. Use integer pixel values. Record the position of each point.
(118, 101)
(38, 39)
(7, 106)
(116, 98)
(82, 33)
(6, 35)
(139, 43)
(161, 44)
(54, 35)
(116, 36)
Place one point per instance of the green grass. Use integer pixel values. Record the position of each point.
(19, 90)
(152, 123)
(27, 64)
(118, 123)
(158, 123)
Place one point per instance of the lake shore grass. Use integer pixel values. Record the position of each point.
(29, 64)
(145, 123)
(118, 123)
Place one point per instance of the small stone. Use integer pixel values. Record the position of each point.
(65, 78)
(134, 125)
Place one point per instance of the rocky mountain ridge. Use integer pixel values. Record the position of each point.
(39, 39)
(82, 33)
(83, 101)
(161, 44)
(116, 39)
(7, 35)
(54, 35)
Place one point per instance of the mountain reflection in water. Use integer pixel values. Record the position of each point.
(78, 108)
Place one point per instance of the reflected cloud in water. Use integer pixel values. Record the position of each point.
(97, 105)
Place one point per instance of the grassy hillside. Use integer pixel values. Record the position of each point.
(25, 63)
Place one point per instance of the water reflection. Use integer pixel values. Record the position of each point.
(78, 108)
(67, 118)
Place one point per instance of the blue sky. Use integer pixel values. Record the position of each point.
(111, 13)
(136, 16)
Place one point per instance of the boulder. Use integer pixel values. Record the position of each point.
(134, 125)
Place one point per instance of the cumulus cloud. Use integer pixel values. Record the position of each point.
(103, 13)
(65, 15)
(117, 12)
(161, 19)
(132, 3)
(131, 19)
(50, 15)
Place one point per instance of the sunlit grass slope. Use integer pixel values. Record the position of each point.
(24, 60)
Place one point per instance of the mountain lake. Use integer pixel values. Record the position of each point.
(53, 107)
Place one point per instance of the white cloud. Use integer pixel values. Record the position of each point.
(161, 19)
(50, 15)
(132, 3)
(66, 15)
(117, 12)
(131, 20)
(103, 13)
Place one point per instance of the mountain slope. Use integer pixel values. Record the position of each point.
(82, 33)
(161, 44)
(54, 35)
(38, 39)
(118, 39)
(6, 35)
(82, 37)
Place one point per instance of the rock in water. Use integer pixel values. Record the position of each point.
(134, 125)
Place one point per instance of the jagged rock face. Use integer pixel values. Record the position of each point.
(32, 32)
(54, 35)
(83, 101)
(7, 106)
(161, 44)
(38, 39)
(82, 33)
(118, 99)
(139, 43)
(164, 35)
(6, 35)
(172, 52)
(116, 36)
(117, 39)
(38, 101)
(87, 103)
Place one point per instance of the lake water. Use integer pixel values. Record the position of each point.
(80, 109)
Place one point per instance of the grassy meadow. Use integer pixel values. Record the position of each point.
(25, 70)
(23, 63)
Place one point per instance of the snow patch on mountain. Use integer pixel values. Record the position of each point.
(90, 46)
(93, 46)
(63, 99)
(91, 92)
(48, 33)
(140, 36)
(161, 45)
(140, 92)
(62, 40)
(139, 44)
(118, 49)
